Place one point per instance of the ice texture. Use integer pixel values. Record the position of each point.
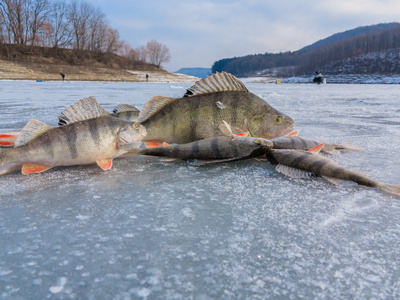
(151, 229)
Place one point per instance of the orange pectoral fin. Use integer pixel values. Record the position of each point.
(153, 144)
(34, 168)
(105, 164)
(242, 134)
(294, 133)
(316, 149)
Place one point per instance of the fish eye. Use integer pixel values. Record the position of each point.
(279, 119)
(136, 125)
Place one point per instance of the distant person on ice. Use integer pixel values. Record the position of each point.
(147, 77)
(63, 76)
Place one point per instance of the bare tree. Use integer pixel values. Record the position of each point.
(97, 29)
(158, 53)
(141, 54)
(37, 19)
(12, 12)
(112, 41)
(61, 31)
(79, 16)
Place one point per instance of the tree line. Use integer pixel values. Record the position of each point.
(73, 24)
(327, 58)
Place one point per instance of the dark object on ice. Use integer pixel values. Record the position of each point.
(318, 78)
(63, 76)
(147, 77)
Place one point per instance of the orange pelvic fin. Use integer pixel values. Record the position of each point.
(34, 168)
(153, 144)
(105, 164)
(316, 149)
(165, 144)
(294, 133)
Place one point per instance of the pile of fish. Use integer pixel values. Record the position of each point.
(217, 120)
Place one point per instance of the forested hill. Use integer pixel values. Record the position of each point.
(371, 49)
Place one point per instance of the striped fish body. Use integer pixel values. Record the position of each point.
(78, 143)
(200, 112)
(190, 119)
(316, 164)
(215, 148)
(300, 143)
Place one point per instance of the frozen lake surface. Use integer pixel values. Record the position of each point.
(167, 230)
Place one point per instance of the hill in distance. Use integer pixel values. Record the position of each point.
(371, 49)
(197, 72)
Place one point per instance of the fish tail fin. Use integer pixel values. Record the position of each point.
(390, 188)
(7, 139)
(350, 146)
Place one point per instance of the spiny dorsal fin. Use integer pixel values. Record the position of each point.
(31, 130)
(152, 106)
(295, 173)
(84, 109)
(218, 82)
(124, 107)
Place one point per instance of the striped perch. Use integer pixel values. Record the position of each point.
(91, 135)
(199, 113)
(122, 111)
(309, 164)
(215, 149)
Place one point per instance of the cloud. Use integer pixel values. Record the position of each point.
(200, 32)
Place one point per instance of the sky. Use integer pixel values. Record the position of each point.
(200, 32)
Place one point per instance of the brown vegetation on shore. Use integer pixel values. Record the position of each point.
(44, 63)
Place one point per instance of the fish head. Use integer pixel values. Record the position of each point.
(130, 133)
(270, 124)
(254, 142)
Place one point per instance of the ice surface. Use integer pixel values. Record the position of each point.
(168, 230)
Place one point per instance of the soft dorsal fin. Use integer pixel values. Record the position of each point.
(317, 148)
(31, 130)
(152, 106)
(84, 109)
(218, 82)
(124, 107)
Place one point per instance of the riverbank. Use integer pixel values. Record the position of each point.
(10, 70)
